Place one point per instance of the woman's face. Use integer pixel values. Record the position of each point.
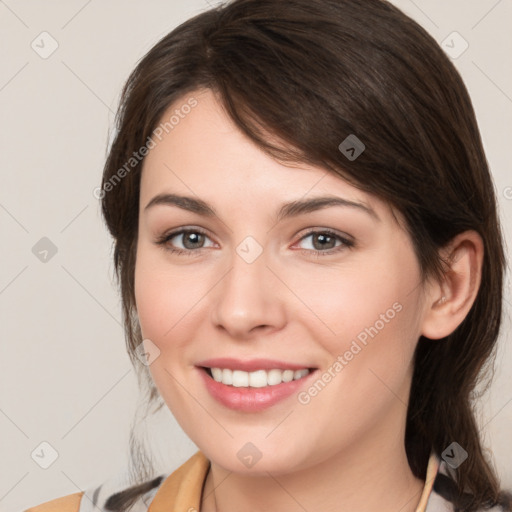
(269, 284)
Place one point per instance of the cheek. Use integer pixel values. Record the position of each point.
(368, 369)
(345, 301)
(151, 302)
(391, 328)
(370, 314)
(163, 300)
(164, 294)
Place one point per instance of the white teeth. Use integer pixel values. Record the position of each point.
(274, 377)
(217, 374)
(256, 379)
(299, 374)
(227, 376)
(288, 375)
(240, 379)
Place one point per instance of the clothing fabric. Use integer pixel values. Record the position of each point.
(181, 490)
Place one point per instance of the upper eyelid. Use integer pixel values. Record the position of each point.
(182, 231)
(345, 239)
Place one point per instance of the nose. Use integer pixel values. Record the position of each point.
(249, 299)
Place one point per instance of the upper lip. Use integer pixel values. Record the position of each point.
(250, 365)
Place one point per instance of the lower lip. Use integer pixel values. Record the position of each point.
(251, 399)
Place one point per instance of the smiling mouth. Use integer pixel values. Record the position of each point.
(256, 379)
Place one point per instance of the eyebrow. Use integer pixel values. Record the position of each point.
(287, 210)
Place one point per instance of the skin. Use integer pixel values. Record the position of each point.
(344, 450)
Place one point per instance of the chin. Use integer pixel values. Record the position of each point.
(257, 459)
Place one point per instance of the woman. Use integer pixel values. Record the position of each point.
(310, 261)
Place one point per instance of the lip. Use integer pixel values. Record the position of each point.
(250, 365)
(247, 399)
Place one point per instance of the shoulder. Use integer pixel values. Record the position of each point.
(444, 493)
(162, 491)
(166, 491)
(69, 503)
(115, 494)
(110, 495)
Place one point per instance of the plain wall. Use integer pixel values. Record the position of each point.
(65, 377)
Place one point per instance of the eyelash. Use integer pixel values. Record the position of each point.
(164, 239)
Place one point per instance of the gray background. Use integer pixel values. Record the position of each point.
(65, 377)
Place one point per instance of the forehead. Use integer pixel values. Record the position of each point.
(200, 151)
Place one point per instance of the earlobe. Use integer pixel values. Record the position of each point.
(449, 302)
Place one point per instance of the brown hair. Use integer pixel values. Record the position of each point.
(308, 73)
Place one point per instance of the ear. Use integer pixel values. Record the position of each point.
(448, 302)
